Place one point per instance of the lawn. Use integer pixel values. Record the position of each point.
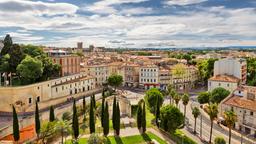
(137, 139)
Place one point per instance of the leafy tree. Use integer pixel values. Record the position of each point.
(66, 116)
(251, 70)
(95, 139)
(75, 124)
(157, 113)
(106, 121)
(51, 114)
(114, 114)
(37, 121)
(185, 100)
(16, 56)
(102, 108)
(179, 70)
(219, 140)
(7, 45)
(62, 127)
(151, 99)
(117, 119)
(171, 118)
(33, 51)
(91, 121)
(187, 57)
(230, 119)
(49, 68)
(171, 92)
(203, 97)
(115, 80)
(177, 99)
(205, 68)
(4, 65)
(196, 113)
(143, 120)
(212, 111)
(16, 130)
(139, 117)
(30, 70)
(47, 130)
(218, 94)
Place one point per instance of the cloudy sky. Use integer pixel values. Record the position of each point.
(130, 23)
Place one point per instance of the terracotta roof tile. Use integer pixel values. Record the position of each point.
(241, 102)
(225, 78)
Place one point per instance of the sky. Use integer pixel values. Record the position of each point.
(130, 23)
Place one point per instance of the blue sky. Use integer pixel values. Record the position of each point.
(130, 23)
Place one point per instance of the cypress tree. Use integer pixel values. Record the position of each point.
(157, 112)
(7, 45)
(139, 117)
(84, 105)
(106, 120)
(143, 120)
(117, 119)
(94, 101)
(16, 131)
(37, 121)
(51, 115)
(91, 121)
(75, 124)
(102, 108)
(114, 113)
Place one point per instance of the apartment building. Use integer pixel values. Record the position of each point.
(46, 93)
(243, 102)
(100, 72)
(131, 74)
(149, 76)
(164, 78)
(70, 64)
(228, 82)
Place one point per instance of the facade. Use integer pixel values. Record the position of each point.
(149, 76)
(69, 64)
(243, 102)
(131, 75)
(100, 72)
(231, 66)
(227, 82)
(164, 78)
(46, 93)
(80, 45)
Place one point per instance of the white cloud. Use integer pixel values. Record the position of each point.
(183, 2)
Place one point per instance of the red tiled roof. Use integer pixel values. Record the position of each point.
(241, 102)
(225, 78)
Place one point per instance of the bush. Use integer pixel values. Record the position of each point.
(203, 97)
(218, 94)
(219, 140)
(66, 116)
(178, 136)
(96, 139)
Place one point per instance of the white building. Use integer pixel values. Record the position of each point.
(148, 76)
(243, 102)
(227, 82)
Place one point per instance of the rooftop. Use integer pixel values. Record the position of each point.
(225, 78)
(241, 102)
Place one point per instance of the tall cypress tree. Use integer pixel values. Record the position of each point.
(117, 119)
(106, 120)
(84, 105)
(94, 101)
(157, 112)
(102, 108)
(75, 124)
(7, 45)
(91, 121)
(16, 130)
(143, 120)
(37, 121)
(114, 113)
(51, 114)
(139, 117)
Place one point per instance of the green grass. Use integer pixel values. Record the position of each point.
(149, 118)
(137, 139)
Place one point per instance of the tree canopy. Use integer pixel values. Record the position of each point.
(203, 97)
(151, 99)
(219, 140)
(115, 80)
(205, 68)
(218, 94)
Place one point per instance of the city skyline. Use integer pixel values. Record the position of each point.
(130, 23)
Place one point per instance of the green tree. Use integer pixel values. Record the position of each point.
(48, 130)
(4, 65)
(15, 123)
(212, 111)
(91, 121)
(196, 113)
(66, 116)
(94, 101)
(139, 117)
(106, 121)
(16, 56)
(251, 70)
(218, 94)
(205, 68)
(157, 113)
(33, 51)
(143, 119)
(171, 92)
(187, 57)
(75, 124)
(51, 114)
(102, 108)
(177, 99)
(114, 114)
(230, 119)
(7, 45)
(84, 109)
(117, 119)
(37, 121)
(115, 80)
(185, 100)
(203, 97)
(62, 127)
(30, 70)
(151, 99)
(95, 139)
(219, 140)
(171, 118)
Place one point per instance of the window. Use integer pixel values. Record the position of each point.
(38, 99)
(56, 89)
(30, 100)
(251, 113)
(219, 84)
(62, 87)
(38, 87)
(227, 85)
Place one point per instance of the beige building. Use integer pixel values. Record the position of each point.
(243, 102)
(164, 78)
(69, 64)
(227, 82)
(100, 72)
(47, 93)
(148, 76)
(131, 75)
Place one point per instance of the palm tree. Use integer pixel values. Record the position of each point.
(171, 92)
(230, 119)
(185, 100)
(63, 127)
(177, 98)
(212, 111)
(196, 113)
